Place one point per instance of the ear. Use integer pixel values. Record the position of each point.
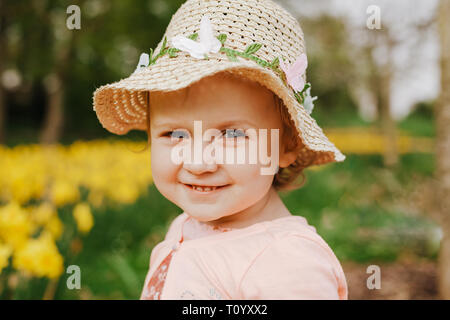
(289, 155)
(287, 158)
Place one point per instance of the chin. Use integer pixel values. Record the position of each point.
(205, 214)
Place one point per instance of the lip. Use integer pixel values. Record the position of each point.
(218, 189)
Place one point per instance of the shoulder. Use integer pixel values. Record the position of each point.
(172, 233)
(175, 226)
(296, 231)
(297, 264)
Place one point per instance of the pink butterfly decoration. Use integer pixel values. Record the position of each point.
(295, 71)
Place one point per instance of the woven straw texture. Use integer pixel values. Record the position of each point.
(122, 106)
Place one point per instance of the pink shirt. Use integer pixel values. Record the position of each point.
(280, 259)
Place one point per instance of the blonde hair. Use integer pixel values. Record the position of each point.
(286, 178)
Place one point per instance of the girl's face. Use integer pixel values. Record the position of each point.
(219, 103)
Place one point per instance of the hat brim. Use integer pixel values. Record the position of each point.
(122, 106)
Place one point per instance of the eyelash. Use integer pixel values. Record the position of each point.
(235, 130)
(224, 132)
(170, 133)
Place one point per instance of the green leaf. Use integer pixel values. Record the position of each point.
(305, 87)
(232, 56)
(163, 48)
(193, 36)
(263, 63)
(222, 38)
(275, 62)
(151, 56)
(251, 49)
(299, 97)
(173, 52)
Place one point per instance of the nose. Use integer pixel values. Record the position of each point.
(199, 168)
(201, 159)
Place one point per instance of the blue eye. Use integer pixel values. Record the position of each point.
(234, 133)
(179, 134)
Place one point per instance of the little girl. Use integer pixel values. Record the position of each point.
(228, 81)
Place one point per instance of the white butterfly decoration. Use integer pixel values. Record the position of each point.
(208, 43)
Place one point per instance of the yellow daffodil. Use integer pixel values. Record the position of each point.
(83, 217)
(64, 192)
(5, 253)
(55, 227)
(36, 180)
(39, 257)
(15, 224)
(43, 213)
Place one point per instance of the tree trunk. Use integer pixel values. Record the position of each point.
(53, 123)
(2, 58)
(380, 79)
(52, 130)
(387, 122)
(443, 149)
(2, 109)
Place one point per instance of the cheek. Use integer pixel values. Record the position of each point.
(250, 186)
(163, 170)
(248, 177)
(271, 141)
(249, 172)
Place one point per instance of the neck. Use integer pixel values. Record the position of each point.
(270, 207)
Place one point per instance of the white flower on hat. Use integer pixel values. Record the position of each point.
(144, 61)
(308, 101)
(207, 42)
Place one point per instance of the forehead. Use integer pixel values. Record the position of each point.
(218, 97)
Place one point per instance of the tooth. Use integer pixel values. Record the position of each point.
(204, 189)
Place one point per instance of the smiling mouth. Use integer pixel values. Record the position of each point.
(204, 188)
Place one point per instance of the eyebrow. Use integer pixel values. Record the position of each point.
(235, 123)
(159, 124)
(217, 126)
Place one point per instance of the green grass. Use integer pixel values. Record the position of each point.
(355, 208)
(418, 125)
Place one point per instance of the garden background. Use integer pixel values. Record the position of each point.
(72, 193)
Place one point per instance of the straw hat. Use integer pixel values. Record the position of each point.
(255, 39)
